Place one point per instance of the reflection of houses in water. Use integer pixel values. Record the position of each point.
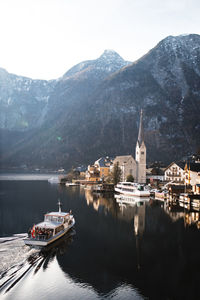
(98, 201)
(133, 208)
(192, 218)
(123, 207)
(177, 212)
(174, 211)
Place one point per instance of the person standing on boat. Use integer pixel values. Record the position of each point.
(33, 232)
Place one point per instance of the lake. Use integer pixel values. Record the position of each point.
(119, 248)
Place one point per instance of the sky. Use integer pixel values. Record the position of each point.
(42, 39)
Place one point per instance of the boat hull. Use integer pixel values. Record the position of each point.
(43, 243)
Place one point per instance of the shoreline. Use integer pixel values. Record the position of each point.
(27, 176)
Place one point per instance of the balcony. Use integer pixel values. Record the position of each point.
(173, 175)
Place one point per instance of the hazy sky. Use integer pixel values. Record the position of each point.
(44, 38)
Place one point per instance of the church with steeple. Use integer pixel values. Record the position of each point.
(140, 153)
(135, 167)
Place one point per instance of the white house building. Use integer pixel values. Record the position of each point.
(175, 172)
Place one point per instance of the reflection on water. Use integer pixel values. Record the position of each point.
(28, 259)
(122, 248)
(190, 216)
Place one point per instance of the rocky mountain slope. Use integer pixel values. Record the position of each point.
(93, 110)
(22, 101)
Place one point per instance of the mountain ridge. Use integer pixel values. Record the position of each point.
(95, 111)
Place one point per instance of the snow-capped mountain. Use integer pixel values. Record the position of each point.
(109, 62)
(94, 108)
(24, 102)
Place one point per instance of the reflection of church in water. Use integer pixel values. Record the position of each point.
(123, 207)
(135, 210)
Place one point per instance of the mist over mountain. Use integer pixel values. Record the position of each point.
(93, 110)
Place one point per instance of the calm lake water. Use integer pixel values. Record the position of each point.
(140, 250)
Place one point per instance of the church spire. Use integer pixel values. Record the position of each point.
(141, 130)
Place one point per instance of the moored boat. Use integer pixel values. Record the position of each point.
(54, 226)
(71, 184)
(132, 189)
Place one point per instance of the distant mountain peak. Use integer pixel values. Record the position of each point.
(109, 54)
(183, 39)
(109, 62)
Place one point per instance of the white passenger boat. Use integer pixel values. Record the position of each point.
(54, 226)
(132, 189)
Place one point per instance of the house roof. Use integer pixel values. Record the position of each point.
(180, 164)
(157, 171)
(103, 162)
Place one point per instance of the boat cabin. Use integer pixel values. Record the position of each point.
(53, 223)
(57, 217)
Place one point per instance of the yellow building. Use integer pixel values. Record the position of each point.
(99, 171)
(103, 165)
(92, 174)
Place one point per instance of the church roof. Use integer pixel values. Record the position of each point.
(123, 158)
(141, 130)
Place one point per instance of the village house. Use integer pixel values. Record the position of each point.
(92, 174)
(103, 164)
(100, 170)
(175, 172)
(81, 171)
(155, 175)
(192, 176)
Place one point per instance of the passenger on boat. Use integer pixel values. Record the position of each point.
(43, 233)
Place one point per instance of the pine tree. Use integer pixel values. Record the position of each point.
(116, 173)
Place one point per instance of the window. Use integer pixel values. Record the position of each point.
(142, 152)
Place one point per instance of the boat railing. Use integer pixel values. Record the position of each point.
(40, 237)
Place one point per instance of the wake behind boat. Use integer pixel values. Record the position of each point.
(54, 226)
(132, 189)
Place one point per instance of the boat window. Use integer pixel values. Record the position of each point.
(47, 218)
(60, 219)
(54, 219)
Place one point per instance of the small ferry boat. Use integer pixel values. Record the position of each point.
(54, 226)
(132, 189)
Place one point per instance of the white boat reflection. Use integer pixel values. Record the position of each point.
(131, 200)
